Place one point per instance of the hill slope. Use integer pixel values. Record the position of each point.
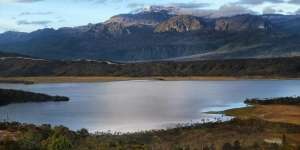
(157, 35)
(277, 67)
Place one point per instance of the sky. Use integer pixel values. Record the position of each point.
(30, 15)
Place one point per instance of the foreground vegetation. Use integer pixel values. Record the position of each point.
(16, 96)
(232, 135)
(250, 130)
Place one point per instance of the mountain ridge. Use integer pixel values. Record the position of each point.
(160, 35)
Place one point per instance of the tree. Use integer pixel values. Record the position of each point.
(83, 133)
(60, 143)
(30, 140)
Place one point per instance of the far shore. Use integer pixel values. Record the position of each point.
(66, 79)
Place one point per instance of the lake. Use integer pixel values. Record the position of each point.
(129, 106)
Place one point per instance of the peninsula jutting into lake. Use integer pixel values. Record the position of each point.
(17, 96)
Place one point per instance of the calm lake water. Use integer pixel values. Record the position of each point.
(128, 106)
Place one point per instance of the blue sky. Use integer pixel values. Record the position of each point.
(30, 15)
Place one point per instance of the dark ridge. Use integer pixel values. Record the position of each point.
(274, 101)
(274, 68)
(6, 54)
(16, 96)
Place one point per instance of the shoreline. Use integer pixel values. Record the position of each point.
(77, 79)
(281, 113)
(248, 129)
(281, 109)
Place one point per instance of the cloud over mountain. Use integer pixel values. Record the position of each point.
(190, 5)
(225, 10)
(257, 2)
(269, 10)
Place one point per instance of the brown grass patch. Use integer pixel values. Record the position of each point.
(274, 113)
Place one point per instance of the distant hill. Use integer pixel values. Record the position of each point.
(160, 34)
(275, 67)
(5, 54)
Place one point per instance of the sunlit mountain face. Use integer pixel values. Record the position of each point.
(30, 15)
(159, 35)
(148, 31)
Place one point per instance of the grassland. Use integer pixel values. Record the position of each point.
(274, 113)
(281, 109)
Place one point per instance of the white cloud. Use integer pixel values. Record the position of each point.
(20, 1)
(39, 22)
(6, 25)
(225, 10)
(258, 2)
(269, 10)
(35, 13)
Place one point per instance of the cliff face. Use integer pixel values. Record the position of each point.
(185, 23)
(181, 23)
(242, 23)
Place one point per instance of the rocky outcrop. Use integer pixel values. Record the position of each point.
(182, 23)
(242, 23)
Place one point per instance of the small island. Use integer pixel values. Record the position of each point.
(8, 96)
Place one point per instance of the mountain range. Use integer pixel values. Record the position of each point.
(161, 34)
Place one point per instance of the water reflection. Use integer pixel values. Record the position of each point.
(140, 105)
